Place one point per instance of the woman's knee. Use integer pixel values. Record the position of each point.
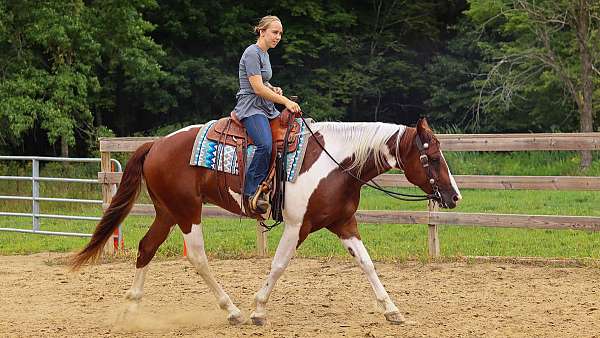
(263, 140)
(264, 143)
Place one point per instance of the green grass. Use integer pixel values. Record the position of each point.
(236, 238)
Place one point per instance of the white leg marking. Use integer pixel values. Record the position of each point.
(134, 294)
(197, 256)
(358, 250)
(285, 251)
(184, 129)
(136, 291)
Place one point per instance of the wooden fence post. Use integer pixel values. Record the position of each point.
(261, 241)
(107, 194)
(434, 240)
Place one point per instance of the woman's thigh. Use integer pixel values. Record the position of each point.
(259, 129)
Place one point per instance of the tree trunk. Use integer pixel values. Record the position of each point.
(98, 118)
(64, 147)
(586, 119)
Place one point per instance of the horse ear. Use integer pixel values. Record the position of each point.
(422, 125)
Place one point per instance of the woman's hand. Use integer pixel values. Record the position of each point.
(276, 90)
(292, 106)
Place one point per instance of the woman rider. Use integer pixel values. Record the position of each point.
(255, 106)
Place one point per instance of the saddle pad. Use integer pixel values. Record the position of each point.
(209, 154)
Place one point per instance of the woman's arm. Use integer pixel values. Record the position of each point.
(263, 91)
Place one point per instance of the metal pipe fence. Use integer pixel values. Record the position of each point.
(35, 197)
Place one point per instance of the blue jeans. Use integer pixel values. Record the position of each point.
(259, 129)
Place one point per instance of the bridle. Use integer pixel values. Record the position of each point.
(435, 196)
(424, 159)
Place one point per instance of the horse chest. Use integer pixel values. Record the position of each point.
(321, 194)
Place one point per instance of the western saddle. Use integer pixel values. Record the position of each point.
(284, 131)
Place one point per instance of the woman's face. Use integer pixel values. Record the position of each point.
(272, 34)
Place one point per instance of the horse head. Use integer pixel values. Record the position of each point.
(424, 165)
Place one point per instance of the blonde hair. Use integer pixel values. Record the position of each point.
(264, 22)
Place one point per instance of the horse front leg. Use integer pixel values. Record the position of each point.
(357, 249)
(351, 241)
(285, 251)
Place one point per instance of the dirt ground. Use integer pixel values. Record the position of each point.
(324, 298)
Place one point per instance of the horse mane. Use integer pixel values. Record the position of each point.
(365, 138)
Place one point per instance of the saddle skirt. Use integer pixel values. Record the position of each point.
(223, 145)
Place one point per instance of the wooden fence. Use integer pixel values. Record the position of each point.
(433, 217)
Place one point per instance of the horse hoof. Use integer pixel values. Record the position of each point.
(235, 319)
(258, 321)
(395, 318)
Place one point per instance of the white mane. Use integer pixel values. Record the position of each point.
(363, 138)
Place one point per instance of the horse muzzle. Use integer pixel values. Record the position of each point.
(448, 200)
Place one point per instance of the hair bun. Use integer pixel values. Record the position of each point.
(264, 22)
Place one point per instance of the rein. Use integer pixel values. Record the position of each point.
(400, 196)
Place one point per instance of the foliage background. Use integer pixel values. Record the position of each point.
(73, 70)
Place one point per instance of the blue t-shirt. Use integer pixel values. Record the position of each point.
(254, 61)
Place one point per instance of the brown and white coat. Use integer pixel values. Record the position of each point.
(323, 196)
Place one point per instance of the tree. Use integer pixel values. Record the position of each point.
(133, 85)
(553, 41)
(367, 57)
(61, 60)
(46, 76)
(453, 74)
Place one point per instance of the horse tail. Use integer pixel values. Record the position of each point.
(119, 208)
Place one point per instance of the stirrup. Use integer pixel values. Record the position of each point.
(258, 203)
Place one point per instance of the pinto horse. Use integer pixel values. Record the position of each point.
(325, 195)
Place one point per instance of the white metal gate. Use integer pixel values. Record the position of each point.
(35, 197)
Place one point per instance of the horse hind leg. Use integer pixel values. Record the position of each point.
(194, 240)
(156, 235)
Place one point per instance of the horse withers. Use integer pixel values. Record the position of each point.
(325, 194)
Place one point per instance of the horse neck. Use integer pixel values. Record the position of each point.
(405, 145)
(370, 170)
(395, 148)
(398, 149)
(349, 149)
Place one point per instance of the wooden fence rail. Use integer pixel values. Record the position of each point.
(468, 181)
(436, 218)
(432, 217)
(449, 142)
